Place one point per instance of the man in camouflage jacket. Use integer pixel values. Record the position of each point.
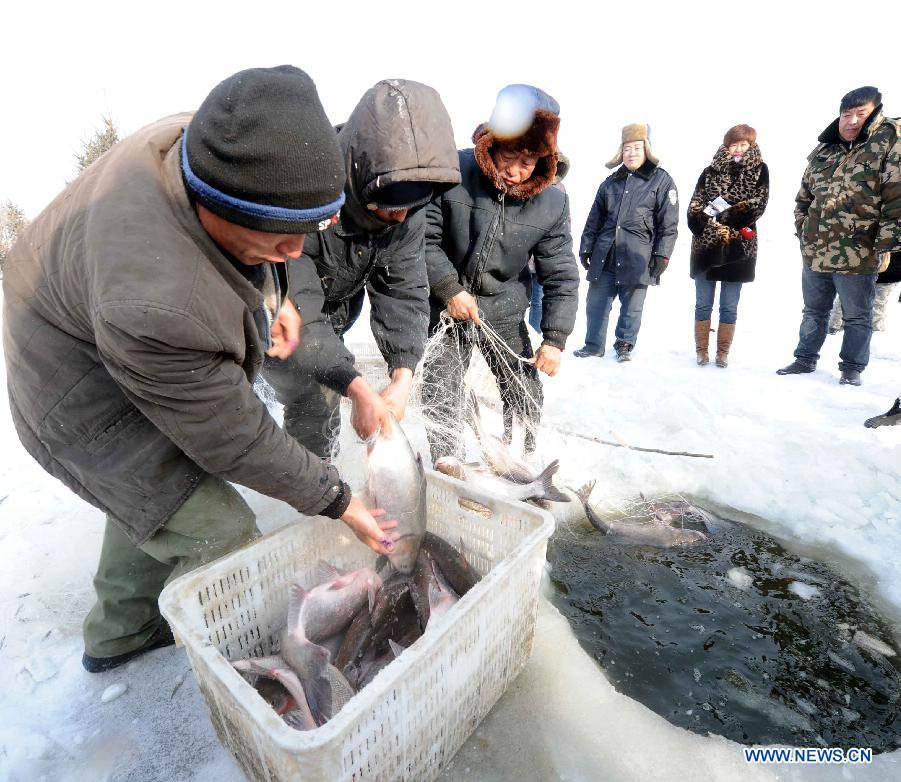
(848, 220)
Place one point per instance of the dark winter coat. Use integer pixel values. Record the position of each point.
(479, 239)
(131, 347)
(745, 185)
(634, 216)
(399, 132)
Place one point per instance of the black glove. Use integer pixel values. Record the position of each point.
(657, 265)
(586, 263)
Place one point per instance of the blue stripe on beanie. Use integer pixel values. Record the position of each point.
(249, 207)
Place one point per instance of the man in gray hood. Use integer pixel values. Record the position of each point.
(399, 151)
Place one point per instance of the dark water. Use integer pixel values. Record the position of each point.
(758, 665)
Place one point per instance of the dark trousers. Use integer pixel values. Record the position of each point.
(213, 521)
(518, 383)
(599, 302)
(856, 292)
(312, 411)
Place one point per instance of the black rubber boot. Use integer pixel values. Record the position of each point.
(162, 637)
(850, 377)
(797, 367)
(891, 418)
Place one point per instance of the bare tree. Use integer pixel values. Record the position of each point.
(12, 221)
(104, 138)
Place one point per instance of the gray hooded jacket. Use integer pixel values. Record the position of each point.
(398, 132)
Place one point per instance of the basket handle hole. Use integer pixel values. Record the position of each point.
(475, 507)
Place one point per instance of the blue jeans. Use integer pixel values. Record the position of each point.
(600, 299)
(535, 306)
(729, 293)
(856, 292)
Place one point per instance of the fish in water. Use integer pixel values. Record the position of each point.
(716, 639)
(658, 531)
(483, 478)
(397, 485)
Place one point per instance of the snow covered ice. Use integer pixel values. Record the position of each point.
(791, 457)
(740, 577)
(804, 591)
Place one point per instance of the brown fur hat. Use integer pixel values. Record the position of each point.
(540, 139)
(740, 133)
(634, 132)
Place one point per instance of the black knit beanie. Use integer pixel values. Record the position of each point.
(261, 153)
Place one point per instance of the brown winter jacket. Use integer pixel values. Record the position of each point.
(131, 347)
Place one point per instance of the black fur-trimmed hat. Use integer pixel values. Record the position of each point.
(261, 153)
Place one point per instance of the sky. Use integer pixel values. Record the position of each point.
(690, 70)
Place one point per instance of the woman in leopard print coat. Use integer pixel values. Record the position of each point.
(724, 245)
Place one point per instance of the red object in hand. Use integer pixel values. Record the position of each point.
(746, 233)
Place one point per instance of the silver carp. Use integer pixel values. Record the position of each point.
(318, 615)
(296, 712)
(656, 532)
(441, 596)
(483, 478)
(397, 485)
(501, 459)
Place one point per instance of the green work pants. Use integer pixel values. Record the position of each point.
(211, 522)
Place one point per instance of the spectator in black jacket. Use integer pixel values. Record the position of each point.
(479, 237)
(399, 151)
(627, 241)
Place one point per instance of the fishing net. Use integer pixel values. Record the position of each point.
(465, 365)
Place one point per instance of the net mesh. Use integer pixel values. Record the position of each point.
(462, 361)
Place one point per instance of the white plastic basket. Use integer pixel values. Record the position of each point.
(412, 718)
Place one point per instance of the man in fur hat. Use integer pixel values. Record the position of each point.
(848, 220)
(479, 237)
(627, 242)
